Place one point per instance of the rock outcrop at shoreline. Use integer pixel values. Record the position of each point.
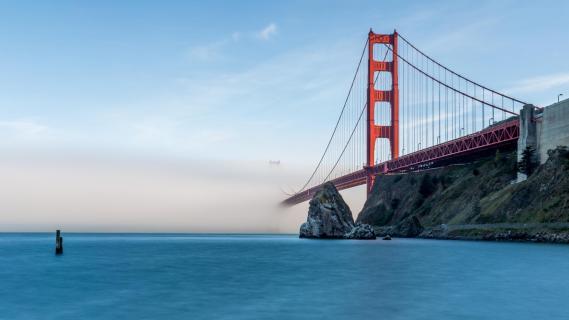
(410, 227)
(361, 231)
(538, 232)
(329, 217)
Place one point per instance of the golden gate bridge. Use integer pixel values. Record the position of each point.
(404, 111)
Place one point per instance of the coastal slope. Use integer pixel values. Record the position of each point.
(477, 200)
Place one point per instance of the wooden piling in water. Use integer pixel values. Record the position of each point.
(58, 242)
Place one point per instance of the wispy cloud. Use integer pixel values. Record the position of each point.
(23, 127)
(247, 102)
(165, 132)
(213, 50)
(465, 36)
(205, 52)
(539, 83)
(223, 113)
(268, 32)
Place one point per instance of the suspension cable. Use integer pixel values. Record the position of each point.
(456, 74)
(338, 121)
(355, 127)
(455, 90)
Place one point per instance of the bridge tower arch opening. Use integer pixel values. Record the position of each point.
(390, 96)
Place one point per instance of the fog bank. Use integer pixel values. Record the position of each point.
(93, 193)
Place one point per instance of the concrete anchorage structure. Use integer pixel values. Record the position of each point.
(543, 129)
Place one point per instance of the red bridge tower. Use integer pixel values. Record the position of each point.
(374, 131)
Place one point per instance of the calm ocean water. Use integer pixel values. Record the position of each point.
(165, 276)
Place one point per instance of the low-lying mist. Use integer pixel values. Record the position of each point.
(93, 193)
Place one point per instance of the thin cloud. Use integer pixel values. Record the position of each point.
(268, 32)
(207, 52)
(463, 37)
(539, 84)
(213, 51)
(23, 127)
(170, 133)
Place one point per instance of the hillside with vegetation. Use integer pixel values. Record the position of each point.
(479, 200)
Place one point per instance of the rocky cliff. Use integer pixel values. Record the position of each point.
(474, 201)
(329, 217)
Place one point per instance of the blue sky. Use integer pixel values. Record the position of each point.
(245, 80)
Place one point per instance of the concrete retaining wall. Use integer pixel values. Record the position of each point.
(553, 130)
(543, 129)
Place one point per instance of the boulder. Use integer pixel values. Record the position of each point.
(361, 231)
(410, 227)
(329, 217)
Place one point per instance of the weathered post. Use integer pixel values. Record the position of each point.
(58, 242)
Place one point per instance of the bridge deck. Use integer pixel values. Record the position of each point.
(499, 135)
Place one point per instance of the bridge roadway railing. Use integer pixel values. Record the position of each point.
(506, 132)
(498, 135)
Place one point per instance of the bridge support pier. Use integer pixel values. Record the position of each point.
(370, 179)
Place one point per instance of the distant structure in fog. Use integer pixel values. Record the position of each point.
(274, 162)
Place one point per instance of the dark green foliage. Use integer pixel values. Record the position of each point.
(395, 203)
(383, 217)
(426, 209)
(412, 179)
(564, 154)
(477, 209)
(435, 180)
(528, 163)
(398, 178)
(498, 158)
(427, 187)
(476, 172)
(418, 203)
(446, 181)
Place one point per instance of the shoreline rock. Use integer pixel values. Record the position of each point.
(408, 228)
(361, 232)
(329, 217)
(482, 232)
(485, 233)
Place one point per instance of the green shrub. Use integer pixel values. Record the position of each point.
(427, 187)
(528, 163)
(395, 203)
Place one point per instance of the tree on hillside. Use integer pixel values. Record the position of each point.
(428, 186)
(497, 158)
(528, 163)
